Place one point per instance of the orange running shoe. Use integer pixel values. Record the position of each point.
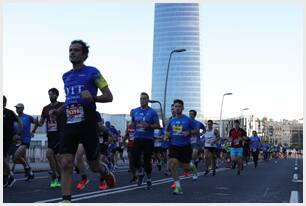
(110, 180)
(102, 185)
(173, 186)
(82, 184)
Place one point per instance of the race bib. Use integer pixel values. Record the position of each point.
(75, 113)
(254, 149)
(51, 124)
(132, 137)
(236, 141)
(193, 140)
(101, 140)
(157, 144)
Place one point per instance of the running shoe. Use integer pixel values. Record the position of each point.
(194, 169)
(134, 179)
(149, 184)
(66, 201)
(167, 173)
(177, 191)
(214, 172)
(195, 177)
(186, 173)
(57, 183)
(11, 181)
(110, 180)
(206, 172)
(53, 183)
(82, 184)
(102, 185)
(140, 179)
(173, 186)
(30, 176)
(5, 181)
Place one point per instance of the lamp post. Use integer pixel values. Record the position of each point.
(244, 123)
(166, 81)
(161, 110)
(221, 124)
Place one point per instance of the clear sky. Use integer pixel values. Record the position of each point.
(254, 51)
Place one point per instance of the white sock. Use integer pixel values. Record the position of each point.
(177, 183)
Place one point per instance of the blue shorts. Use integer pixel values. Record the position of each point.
(236, 152)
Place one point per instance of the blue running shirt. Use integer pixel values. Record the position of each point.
(149, 116)
(76, 81)
(26, 130)
(177, 126)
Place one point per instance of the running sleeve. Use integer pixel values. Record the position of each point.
(99, 80)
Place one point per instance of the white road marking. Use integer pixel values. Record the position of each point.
(294, 197)
(295, 176)
(266, 192)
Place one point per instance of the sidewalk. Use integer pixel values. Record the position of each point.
(44, 166)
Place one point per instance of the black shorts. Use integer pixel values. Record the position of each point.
(84, 132)
(120, 150)
(104, 149)
(158, 150)
(212, 150)
(7, 142)
(182, 154)
(53, 142)
(246, 152)
(129, 148)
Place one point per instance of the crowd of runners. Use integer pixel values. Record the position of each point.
(78, 138)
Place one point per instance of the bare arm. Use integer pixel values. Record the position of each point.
(39, 123)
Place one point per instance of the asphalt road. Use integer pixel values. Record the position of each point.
(270, 182)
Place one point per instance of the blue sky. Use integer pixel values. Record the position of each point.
(252, 50)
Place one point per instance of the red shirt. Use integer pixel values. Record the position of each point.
(235, 134)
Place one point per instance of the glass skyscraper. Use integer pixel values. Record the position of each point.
(176, 26)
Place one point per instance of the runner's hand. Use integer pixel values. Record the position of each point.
(86, 95)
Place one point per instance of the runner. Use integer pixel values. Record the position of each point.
(255, 146)
(158, 150)
(9, 117)
(113, 145)
(211, 137)
(145, 120)
(81, 86)
(265, 149)
(26, 135)
(165, 145)
(284, 151)
(236, 136)
(129, 135)
(179, 130)
(195, 143)
(276, 150)
(54, 126)
(246, 151)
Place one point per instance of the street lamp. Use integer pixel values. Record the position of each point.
(221, 113)
(161, 110)
(244, 122)
(243, 110)
(166, 82)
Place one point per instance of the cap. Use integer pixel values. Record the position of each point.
(19, 105)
